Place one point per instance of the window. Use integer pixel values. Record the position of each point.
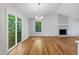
(38, 26)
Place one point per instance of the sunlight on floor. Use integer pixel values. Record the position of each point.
(38, 43)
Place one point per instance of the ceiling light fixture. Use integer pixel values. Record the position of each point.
(39, 18)
(36, 17)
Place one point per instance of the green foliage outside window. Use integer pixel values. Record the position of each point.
(38, 26)
(11, 30)
(19, 23)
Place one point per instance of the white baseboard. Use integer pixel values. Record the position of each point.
(56, 35)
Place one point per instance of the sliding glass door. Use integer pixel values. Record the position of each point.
(14, 30)
(11, 31)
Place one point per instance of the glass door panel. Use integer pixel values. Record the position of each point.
(19, 23)
(11, 31)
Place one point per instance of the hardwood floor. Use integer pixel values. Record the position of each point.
(46, 46)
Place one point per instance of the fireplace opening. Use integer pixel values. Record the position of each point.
(62, 31)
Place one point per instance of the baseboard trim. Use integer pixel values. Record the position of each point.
(42, 36)
(55, 36)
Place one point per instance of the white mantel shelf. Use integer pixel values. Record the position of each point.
(63, 24)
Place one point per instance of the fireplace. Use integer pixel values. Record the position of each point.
(62, 32)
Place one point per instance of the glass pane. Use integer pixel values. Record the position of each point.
(18, 30)
(11, 30)
(38, 26)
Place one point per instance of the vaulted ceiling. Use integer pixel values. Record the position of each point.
(34, 9)
(69, 9)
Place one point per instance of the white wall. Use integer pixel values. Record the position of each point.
(63, 19)
(25, 29)
(73, 26)
(2, 29)
(49, 26)
(6, 9)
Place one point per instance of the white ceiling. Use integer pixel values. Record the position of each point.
(69, 9)
(33, 9)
